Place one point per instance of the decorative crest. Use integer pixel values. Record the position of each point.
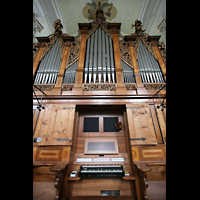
(58, 26)
(138, 27)
(99, 14)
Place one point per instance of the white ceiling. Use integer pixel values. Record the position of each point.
(152, 13)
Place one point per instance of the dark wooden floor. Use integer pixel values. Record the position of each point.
(156, 190)
(44, 191)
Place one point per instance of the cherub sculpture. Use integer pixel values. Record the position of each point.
(138, 27)
(58, 26)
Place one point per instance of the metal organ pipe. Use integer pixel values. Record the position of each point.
(108, 58)
(128, 73)
(91, 57)
(104, 56)
(87, 58)
(49, 66)
(112, 60)
(95, 56)
(70, 73)
(141, 65)
(148, 66)
(99, 55)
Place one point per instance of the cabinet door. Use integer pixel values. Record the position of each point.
(56, 122)
(140, 124)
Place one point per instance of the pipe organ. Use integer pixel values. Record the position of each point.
(70, 73)
(148, 66)
(114, 123)
(128, 73)
(49, 66)
(99, 62)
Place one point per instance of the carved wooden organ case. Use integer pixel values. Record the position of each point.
(102, 58)
(98, 67)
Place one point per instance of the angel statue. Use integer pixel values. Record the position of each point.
(138, 27)
(58, 26)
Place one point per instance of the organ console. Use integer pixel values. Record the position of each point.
(101, 171)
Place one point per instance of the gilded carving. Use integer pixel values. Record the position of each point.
(46, 87)
(161, 46)
(67, 87)
(74, 53)
(130, 86)
(154, 86)
(35, 50)
(99, 87)
(124, 51)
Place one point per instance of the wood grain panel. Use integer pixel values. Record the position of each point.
(148, 153)
(135, 154)
(34, 152)
(156, 124)
(55, 121)
(140, 124)
(93, 187)
(162, 123)
(66, 153)
(153, 153)
(49, 153)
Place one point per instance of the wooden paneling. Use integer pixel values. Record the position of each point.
(162, 123)
(149, 153)
(93, 187)
(156, 123)
(51, 153)
(55, 121)
(135, 153)
(140, 124)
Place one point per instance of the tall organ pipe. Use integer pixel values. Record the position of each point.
(99, 55)
(53, 64)
(112, 60)
(141, 63)
(95, 57)
(108, 58)
(104, 56)
(146, 64)
(99, 64)
(87, 58)
(91, 57)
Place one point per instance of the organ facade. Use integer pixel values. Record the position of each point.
(99, 109)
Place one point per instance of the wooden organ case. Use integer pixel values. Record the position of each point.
(104, 116)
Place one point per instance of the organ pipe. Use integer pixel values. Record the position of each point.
(99, 56)
(70, 73)
(148, 66)
(87, 58)
(49, 66)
